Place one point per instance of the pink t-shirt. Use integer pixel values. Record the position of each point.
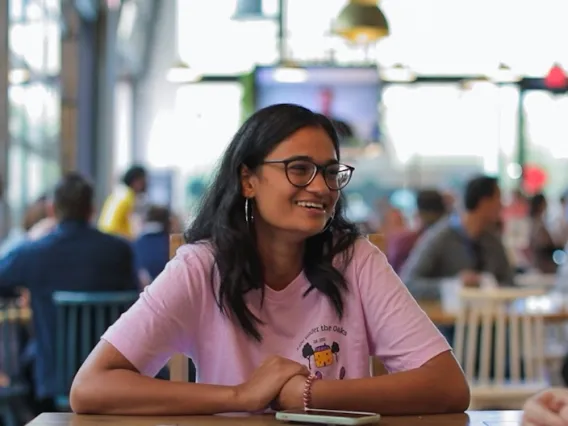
(178, 313)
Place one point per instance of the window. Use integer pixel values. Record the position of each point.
(213, 43)
(34, 103)
(546, 133)
(472, 128)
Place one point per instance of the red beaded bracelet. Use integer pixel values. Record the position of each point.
(308, 391)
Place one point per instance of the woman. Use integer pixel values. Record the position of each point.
(273, 283)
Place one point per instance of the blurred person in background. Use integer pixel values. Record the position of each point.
(431, 208)
(464, 245)
(74, 257)
(558, 223)
(541, 243)
(34, 214)
(151, 247)
(4, 212)
(117, 215)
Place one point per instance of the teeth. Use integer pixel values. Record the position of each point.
(310, 204)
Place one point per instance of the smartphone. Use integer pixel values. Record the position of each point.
(330, 417)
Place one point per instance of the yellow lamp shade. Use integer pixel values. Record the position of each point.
(361, 21)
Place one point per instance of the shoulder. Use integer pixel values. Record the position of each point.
(364, 255)
(439, 232)
(111, 240)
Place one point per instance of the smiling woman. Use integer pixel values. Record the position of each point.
(276, 298)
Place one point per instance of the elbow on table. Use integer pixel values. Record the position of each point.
(81, 398)
(458, 396)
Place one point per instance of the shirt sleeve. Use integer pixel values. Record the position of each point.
(165, 318)
(399, 331)
(12, 272)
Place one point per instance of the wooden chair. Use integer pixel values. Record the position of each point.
(14, 330)
(504, 340)
(82, 318)
(179, 364)
(179, 367)
(376, 366)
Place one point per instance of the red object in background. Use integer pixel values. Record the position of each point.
(556, 78)
(534, 179)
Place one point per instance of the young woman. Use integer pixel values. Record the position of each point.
(273, 284)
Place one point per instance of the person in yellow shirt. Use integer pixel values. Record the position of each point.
(116, 215)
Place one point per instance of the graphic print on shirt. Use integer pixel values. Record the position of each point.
(321, 348)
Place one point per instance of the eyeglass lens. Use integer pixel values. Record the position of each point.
(301, 173)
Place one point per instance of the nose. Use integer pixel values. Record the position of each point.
(318, 185)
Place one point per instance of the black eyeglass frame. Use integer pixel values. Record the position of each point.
(318, 169)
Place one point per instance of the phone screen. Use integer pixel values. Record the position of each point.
(330, 413)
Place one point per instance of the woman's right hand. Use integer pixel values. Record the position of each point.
(266, 382)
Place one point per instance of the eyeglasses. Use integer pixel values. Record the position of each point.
(301, 173)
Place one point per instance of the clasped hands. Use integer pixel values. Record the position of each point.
(277, 383)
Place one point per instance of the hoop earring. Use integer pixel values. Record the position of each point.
(328, 224)
(249, 216)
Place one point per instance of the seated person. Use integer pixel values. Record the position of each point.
(431, 208)
(464, 246)
(152, 246)
(73, 257)
(274, 291)
(117, 214)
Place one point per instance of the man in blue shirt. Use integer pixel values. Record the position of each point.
(152, 247)
(74, 257)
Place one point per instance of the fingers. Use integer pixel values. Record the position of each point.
(539, 415)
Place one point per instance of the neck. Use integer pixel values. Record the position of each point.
(281, 259)
(472, 224)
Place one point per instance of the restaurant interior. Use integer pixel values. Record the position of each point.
(447, 116)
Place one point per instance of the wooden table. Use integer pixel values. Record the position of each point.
(473, 418)
(439, 316)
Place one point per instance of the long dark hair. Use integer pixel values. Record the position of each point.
(221, 219)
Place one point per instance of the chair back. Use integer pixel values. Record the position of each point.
(508, 340)
(82, 318)
(376, 365)
(179, 364)
(379, 241)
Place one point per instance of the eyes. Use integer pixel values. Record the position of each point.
(302, 172)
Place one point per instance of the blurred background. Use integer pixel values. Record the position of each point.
(445, 90)
(141, 97)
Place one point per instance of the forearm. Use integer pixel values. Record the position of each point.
(130, 393)
(410, 392)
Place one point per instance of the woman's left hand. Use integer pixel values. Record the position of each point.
(292, 395)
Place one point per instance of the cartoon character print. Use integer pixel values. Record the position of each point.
(323, 356)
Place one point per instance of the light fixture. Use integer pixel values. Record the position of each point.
(290, 72)
(19, 71)
(504, 74)
(556, 79)
(397, 73)
(181, 73)
(361, 21)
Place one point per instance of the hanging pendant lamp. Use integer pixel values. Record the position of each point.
(361, 21)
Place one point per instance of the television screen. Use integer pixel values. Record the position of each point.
(348, 96)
